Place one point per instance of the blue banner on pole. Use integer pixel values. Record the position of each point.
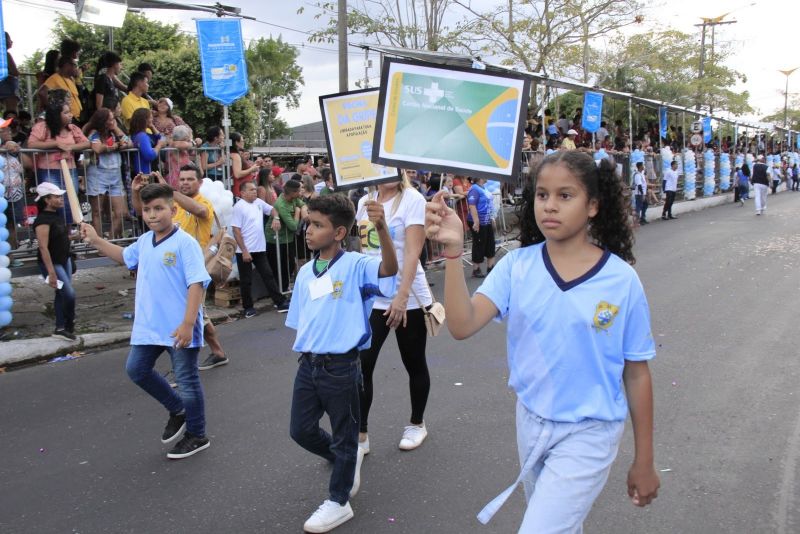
(706, 129)
(592, 111)
(662, 122)
(797, 139)
(222, 59)
(3, 51)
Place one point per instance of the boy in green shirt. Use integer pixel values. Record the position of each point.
(291, 209)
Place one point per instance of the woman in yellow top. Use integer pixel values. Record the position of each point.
(63, 78)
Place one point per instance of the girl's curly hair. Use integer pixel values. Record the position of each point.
(610, 228)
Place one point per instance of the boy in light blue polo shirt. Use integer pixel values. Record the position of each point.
(330, 309)
(170, 285)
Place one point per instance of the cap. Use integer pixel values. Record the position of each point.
(572, 132)
(169, 102)
(46, 188)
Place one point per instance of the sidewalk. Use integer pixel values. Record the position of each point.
(104, 295)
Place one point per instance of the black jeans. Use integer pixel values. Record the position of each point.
(287, 262)
(246, 278)
(329, 383)
(411, 340)
(667, 211)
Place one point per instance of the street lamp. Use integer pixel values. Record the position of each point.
(786, 73)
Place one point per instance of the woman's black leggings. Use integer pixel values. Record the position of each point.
(411, 340)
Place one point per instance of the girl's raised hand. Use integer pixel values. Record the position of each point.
(443, 225)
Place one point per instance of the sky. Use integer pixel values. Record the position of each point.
(762, 40)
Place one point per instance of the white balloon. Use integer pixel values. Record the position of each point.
(4, 261)
(5, 275)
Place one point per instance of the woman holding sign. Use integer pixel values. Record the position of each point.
(405, 216)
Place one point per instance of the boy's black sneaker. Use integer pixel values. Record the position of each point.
(189, 445)
(175, 426)
(213, 360)
(283, 307)
(249, 312)
(63, 333)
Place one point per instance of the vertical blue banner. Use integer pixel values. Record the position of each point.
(3, 51)
(797, 139)
(662, 122)
(222, 59)
(706, 129)
(592, 111)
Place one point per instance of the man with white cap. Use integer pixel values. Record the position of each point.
(569, 141)
(54, 257)
(761, 181)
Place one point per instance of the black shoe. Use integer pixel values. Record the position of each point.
(478, 274)
(189, 445)
(213, 360)
(63, 333)
(663, 217)
(671, 217)
(250, 312)
(642, 221)
(283, 307)
(175, 427)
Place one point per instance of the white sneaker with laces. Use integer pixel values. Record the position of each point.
(357, 476)
(413, 436)
(328, 516)
(364, 446)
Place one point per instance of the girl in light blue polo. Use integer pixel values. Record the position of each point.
(578, 329)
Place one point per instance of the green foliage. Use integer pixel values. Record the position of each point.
(34, 63)
(792, 114)
(137, 36)
(181, 80)
(274, 76)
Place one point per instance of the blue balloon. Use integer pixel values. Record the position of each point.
(5, 289)
(6, 303)
(5, 318)
(3, 219)
(3, 203)
(5, 248)
(3, 233)
(2, 187)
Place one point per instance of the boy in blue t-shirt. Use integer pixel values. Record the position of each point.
(479, 219)
(330, 308)
(171, 281)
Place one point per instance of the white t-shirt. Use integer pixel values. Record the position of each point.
(319, 186)
(248, 217)
(638, 179)
(671, 177)
(410, 211)
(601, 134)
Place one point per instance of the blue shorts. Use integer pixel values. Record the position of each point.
(564, 468)
(9, 87)
(16, 211)
(101, 181)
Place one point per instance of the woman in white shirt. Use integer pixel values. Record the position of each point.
(405, 217)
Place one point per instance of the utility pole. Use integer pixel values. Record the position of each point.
(367, 65)
(712, 23)
(786, 73)
(341, 23)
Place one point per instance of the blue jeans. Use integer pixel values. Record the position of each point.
(142, 359)
(329, 383)
(564, 468)
(54, 177)
(64, 303)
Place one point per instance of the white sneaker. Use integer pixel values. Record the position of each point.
(357, 476)
(413, 436)
(328, 516)
(364, 446)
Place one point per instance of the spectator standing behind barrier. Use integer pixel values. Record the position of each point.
(135, 99)
(105, 92)
(62, 139)
(147, 70)
(53, 256)
(761, 182)
(569, 141)
(212, 160)
(670, 189)
(169, 294)
(148, 145)
(268, 188)
(104, 173)
(64, 79)
(404, 214)
(9, 87)
(242, 170)
(247, 222)
(479, 219)
(14, 183)
(181, 144)
(163, 119)
(194, 214)
(290, 209)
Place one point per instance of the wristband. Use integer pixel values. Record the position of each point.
(456, 257)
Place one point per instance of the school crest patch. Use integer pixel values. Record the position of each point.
(337, 289)
(604, 315)
(169, 259)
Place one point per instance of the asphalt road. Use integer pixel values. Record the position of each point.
(80, 449)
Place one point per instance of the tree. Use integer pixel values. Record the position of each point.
(178, 75)
(412, 24)
(274, 76)
(792, 113)
(137, 36)
(663, 66)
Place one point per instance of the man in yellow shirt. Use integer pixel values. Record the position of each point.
(135, 99)
(63, 78)
(569, 141)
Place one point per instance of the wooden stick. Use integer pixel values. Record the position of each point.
(72, 195)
